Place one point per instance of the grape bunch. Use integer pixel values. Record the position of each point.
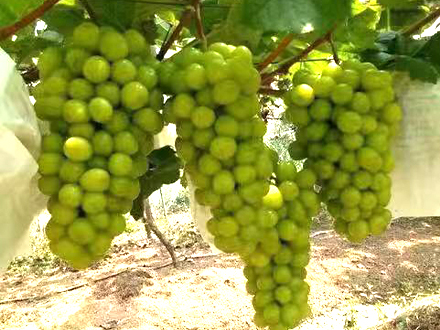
(346, 118)
(276, 275)
(220, 138)
(99, 93)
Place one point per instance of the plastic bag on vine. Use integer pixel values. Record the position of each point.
(416, 177)
(20, 200)
(199, 213)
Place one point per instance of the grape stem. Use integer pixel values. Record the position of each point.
(199, 24)
(334, 49)
(185, 20)
(276, 52)
(89, 10)
(268, 78)
(10, 30)
(421, 23)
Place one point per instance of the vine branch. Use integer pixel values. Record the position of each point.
(421, 23)
(199, 24)
(277, 51)
(268, 78)
(185, 20)
(9, 31)
(89, 10)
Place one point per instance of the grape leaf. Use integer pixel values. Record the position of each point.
(400, 4)
(12, 10)
(296, 16)
(118, 14)
(431, 49)
(417, 68)
(63, 18)
(164, 169)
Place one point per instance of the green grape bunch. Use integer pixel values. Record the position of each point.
(347, 117)
(100, 94)
(220, 138)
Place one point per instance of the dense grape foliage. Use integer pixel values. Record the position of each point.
(220, 138)
(346, 118)
(100, 95)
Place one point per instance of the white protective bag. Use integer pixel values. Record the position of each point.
(416, 178)
(20, 200)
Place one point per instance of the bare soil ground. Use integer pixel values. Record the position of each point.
(389, 282)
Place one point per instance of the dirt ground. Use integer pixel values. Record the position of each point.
(136, 288)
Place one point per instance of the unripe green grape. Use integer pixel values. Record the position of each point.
(339, 180)
(358, 230)
(135, 41)
(259, 128)
(195, 76)
(71, 171)
(273, 199)
(223, 183)
(350, 197)
(320, 110)
(49, 61)
(49, 107)
(62, 214)
(102, 143)
(113, 46)
(80, 89)
(352, 141)
(222, 49)
(118, 204)
(392, 113)
(81, 232)
(117, 224)
(369, 159)
(223, 148)
(244, 174)
(49, 163)
(202, 117)
(147, 76)
(333, 70)
(54, 231)
(349, 122)
(77, 149)
(70, 195)
(185, 150)
(86, 35)
(123, 71)
(297, 151)
(360, 103)
(75, 111)
(96, 69)
(118, 123)
(323, 86)
(52, 143)
(120, 164)
(225, 92)
(134, 95)
(332, 152)
(123, 187)
(149, 120)
(56, 86)
(95, 180)
(49, 185)
(125, 142)
(94, 202)
(75, 59)
(349, 77)
(374, 79)
(306, 179)
(244, 107)
(302, 95)
(202, 138)
(67, 249)
(83, 130)
(99, 220)
(183, 105)
(342, 94)
(316, 131)
(226, 126)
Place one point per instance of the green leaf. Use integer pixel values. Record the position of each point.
(164, 169)
(431, 49)
(119, 14)
(63, 18)
(360, 30)
(417, 69)
(400, 4)
(295, 16)
(12, 10)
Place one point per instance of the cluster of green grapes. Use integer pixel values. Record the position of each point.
(100, 97)
(276, 273)
(220, 138)
(346, 118)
